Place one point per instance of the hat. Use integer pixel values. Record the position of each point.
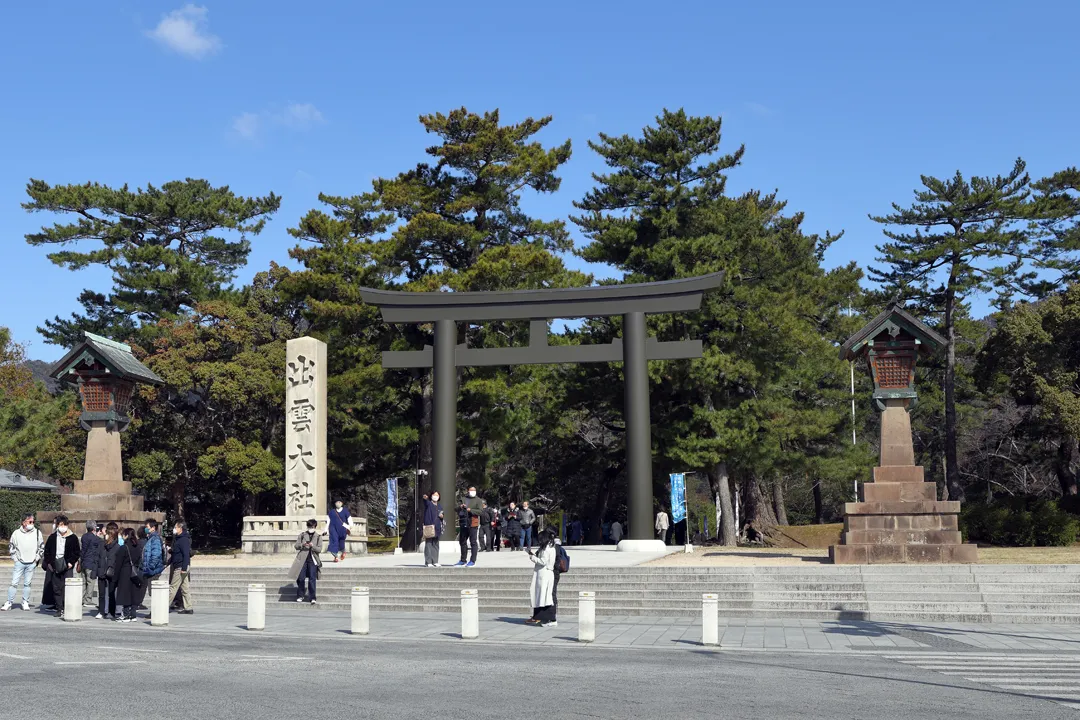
(91, 526)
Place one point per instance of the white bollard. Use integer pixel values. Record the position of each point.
(710, 624)
(361, 611)
(73, 599)
(256, 606)
(159, 602)
(470, 614)
(586, 616)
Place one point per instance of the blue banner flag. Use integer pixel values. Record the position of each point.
(391, 502)
(678, 497)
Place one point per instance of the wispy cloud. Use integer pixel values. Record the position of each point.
(759, 109)
(300, 116)
(246, 125)
(185, 31)
(297, 116)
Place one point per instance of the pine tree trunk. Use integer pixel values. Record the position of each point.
(603, 493)
(952, 466)
(758, 509)
(819, 503)
(1063, 466)
(778, 502)
(720, 484)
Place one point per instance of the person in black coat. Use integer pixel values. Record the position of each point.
(91, 549)
(110, 548)
(62, 553)
(513, 527)
(126, 573)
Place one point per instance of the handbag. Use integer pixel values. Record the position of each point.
(136, 578)
(429, 532)
(474, 521)
(59, 565)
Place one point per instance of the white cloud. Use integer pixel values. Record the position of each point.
(185, 31)
(246, 125)
(301, 116)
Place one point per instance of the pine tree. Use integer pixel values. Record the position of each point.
(162, 245)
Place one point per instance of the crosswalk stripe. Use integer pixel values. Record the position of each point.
(1044, 677)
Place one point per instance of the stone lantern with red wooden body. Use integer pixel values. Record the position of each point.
(106, 374)
(900, 518)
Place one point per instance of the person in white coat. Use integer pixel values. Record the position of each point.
(662, 525)
(543, 581)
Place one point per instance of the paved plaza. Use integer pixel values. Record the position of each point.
(209, 665)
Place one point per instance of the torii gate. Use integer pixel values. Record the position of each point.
(633, 302)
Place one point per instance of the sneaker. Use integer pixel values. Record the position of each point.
(187, 612)
(299, 599)
(553, 623)
(7, 606)
(25, 605)
(127, 619)
(532, 621)
(460, 563)
(436, 565)
(99, 616)
(470, 564)
(314, 602)
(89, 605)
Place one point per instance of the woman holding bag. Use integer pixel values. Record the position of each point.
(339, 521)
(433, 527)
(128, 580)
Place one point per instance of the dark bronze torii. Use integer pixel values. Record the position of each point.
(633, 302)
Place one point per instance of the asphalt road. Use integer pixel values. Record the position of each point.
(111, 671)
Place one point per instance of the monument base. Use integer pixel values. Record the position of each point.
(656, 546)
(276, 535)
(123, 518)
(901, 521)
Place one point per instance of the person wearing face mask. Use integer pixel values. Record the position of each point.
(528, 519)
(26, 547)
(468, 532)
(433, 527)
(61, 555)
(128, 578)
(513, 527)
(339, 523)
(307, 564)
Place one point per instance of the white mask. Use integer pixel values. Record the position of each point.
(472, 493)
(435, 498)
(62, 530)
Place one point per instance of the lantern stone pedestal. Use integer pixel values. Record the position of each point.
(900, 519)
(105, 372)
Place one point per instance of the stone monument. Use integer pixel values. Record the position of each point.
(900, 519)
(105, 373)
(305, 457)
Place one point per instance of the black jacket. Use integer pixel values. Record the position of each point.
(126, 592)
(91, 553)
(513, 524)
(181, 552)
(72, 551)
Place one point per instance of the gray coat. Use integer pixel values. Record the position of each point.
(527, 516)
(303, 553)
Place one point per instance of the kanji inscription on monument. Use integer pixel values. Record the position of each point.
(305, 427)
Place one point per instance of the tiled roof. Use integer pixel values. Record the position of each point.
(115, 355)
(14, 481)
(931, 339)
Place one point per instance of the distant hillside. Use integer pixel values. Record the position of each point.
(40, 369)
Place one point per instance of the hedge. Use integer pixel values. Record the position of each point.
(14, 503)
(1019, 522)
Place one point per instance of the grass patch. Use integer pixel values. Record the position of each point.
(805, 536)
(381, 544)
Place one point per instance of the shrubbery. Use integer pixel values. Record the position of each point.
(1019, 522)
(14, 503)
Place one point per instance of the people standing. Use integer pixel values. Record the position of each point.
(180, 563)
(433, 527)
(469, 527)
(128, 578)
(495, 538)
(542, 587)
(528, 519)
(576, 532)
(339, 525)
(307, 563)
(107, 553)
(89, 551)
(26, 547)
(662, 525)
(484, 531)
(48, 602)
(152, 562)
(62, 553)
(616, 532)
(513, 527)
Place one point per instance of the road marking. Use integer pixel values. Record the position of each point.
(131, 649)
(1044, 677)
(101, 662)
(273, 657)
(14, 657)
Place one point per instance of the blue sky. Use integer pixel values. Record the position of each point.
(841, 105)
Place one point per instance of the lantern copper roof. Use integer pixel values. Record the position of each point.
(893, 316)
(115, 356)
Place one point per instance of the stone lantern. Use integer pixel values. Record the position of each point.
(105, 373)
(900, 518)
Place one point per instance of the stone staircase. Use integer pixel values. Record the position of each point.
(882, 593)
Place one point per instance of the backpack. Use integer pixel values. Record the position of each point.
(562, 559)
(153, 556)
